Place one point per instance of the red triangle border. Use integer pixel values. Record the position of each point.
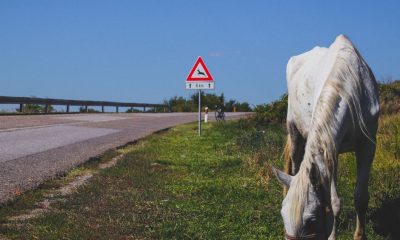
(207, 79)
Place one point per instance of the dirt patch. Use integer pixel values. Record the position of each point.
(59, 194)
(34, 213)
(75, 184)
(111, 163)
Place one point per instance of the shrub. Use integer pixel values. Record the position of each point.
(211, 100)
(35, 108)
(274, 112)
(389, 94)
(89, 110)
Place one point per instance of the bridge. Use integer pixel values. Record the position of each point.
(48, 102)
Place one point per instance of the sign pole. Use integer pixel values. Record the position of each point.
(199, 78)
(199, 112)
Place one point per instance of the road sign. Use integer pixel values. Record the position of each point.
(199, 78)
(200, 85)
(199, 72)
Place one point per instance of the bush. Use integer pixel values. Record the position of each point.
(389, 94)
(180, 104)
(35, 108)
(210, 100)
(89, 110)
(274, 112)
(240, 107)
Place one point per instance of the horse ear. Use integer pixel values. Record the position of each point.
(315, 177)
(282, 177)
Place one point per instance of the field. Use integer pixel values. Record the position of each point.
(175, 185)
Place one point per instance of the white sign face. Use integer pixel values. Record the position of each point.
(199, 85)
(199, 72)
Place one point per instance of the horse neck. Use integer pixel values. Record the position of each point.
(338, 110)
(328, 128)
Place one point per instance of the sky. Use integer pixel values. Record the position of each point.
(142, 51)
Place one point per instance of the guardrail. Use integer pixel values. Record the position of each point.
(47, 102)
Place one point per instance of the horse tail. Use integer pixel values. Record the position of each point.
(287, 159)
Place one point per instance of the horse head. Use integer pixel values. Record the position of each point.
(306, 208)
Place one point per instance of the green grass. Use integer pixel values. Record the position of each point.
(170, 185)
(176, 185)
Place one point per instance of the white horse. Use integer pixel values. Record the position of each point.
(333, 107)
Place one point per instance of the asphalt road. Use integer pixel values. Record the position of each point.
(35, 148)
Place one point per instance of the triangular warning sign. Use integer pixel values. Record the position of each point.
(199, 72)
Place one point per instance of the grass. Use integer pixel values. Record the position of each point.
(176, 185)
(384, 185)
(171, 185)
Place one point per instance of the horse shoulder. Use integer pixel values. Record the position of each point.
(303, 82)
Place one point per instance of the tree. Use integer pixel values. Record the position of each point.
(211, 100)
(230, 105)
(180, 104)
(239, 106)
(35, 108)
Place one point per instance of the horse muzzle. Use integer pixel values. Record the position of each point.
(306, 237)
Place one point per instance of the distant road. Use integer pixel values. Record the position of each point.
(34, 148)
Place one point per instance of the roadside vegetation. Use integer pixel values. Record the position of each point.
(181, 104)
(176, 185)
(169, 185)
(35, 108)
(173, 104)
(390, 97)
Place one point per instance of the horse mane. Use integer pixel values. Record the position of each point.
(343, 85)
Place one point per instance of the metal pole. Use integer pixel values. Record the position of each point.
(199, 112)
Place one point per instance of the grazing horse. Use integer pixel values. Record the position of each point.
(333, 107)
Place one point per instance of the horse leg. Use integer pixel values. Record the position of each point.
(298, 144)
(294, 151)
(288, 161)
(364, 157)
(335, 201)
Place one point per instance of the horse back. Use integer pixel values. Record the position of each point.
(340, 70)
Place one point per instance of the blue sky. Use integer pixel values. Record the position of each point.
(142, 51)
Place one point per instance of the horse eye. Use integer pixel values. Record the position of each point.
(311, 219)
(328, 209)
